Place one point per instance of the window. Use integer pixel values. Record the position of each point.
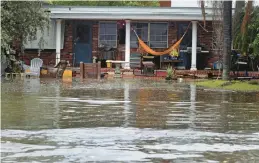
(153, 34)
(83, 33)
(158, 35)
(141, 30)
(187, 40)
(108, 34)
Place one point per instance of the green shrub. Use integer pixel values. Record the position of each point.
(254, 82)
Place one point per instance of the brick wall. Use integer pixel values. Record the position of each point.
(67, 51)
(68, 38)
(48, 57)
(205, 39)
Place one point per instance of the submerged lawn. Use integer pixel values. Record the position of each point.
(233, 85)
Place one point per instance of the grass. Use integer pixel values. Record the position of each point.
(233, 85)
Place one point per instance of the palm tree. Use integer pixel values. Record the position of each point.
(227, 36)
(224, 20)
(238, 27)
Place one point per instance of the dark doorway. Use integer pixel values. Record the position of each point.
(122, 35)
(83, 42)
(186, 42)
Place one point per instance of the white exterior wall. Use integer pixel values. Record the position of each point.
(49, 37)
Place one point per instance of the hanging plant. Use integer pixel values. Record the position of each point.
(121, 23)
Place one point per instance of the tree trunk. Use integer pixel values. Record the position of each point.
(227, 24)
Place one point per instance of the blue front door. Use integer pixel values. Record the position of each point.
(83, 42)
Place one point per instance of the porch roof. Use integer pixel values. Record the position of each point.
(130, 13)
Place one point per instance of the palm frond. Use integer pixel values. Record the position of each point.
(247, 17)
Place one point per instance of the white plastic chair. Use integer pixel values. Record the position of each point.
(36, 64)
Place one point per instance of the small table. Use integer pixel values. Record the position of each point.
(117, 71)
(148, 65)
(171, 62)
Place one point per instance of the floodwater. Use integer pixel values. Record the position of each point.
(126, 120)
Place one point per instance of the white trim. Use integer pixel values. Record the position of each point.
(131, 13)
(127, 43)
(132, 16)
(58, 39)
(99, 27)
(194, 45)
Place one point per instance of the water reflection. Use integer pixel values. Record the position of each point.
(57, 107)
(126, 120)
(192, 115)
(126, 105)
(31, 85)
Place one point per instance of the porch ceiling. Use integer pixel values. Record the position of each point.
(131, 13)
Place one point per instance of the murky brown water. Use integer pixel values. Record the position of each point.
(129, 120)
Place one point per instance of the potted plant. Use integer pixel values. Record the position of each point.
(170, 73)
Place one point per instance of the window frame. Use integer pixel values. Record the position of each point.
(99, 33)
(149, 25)
(134, 33)
(161, 35)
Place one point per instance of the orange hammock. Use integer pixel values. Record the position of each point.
(147, 49)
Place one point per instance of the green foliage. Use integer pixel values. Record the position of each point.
(106, 3)
(254, 82)
(249, 42)
(226, 85)
(21, 20)
(170, 73)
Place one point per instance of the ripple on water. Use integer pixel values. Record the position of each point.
(126, 120)
(100, 144)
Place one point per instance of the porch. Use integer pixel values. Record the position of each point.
(128, 73)
(83, 33)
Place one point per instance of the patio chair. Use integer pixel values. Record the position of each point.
(36, 64)
(136, 62)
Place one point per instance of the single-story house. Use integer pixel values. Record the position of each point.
(79, 33)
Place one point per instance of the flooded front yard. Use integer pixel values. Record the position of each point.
(126, 120)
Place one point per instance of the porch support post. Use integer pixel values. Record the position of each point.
(127, 45)
(194, 45)
(58, 40)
